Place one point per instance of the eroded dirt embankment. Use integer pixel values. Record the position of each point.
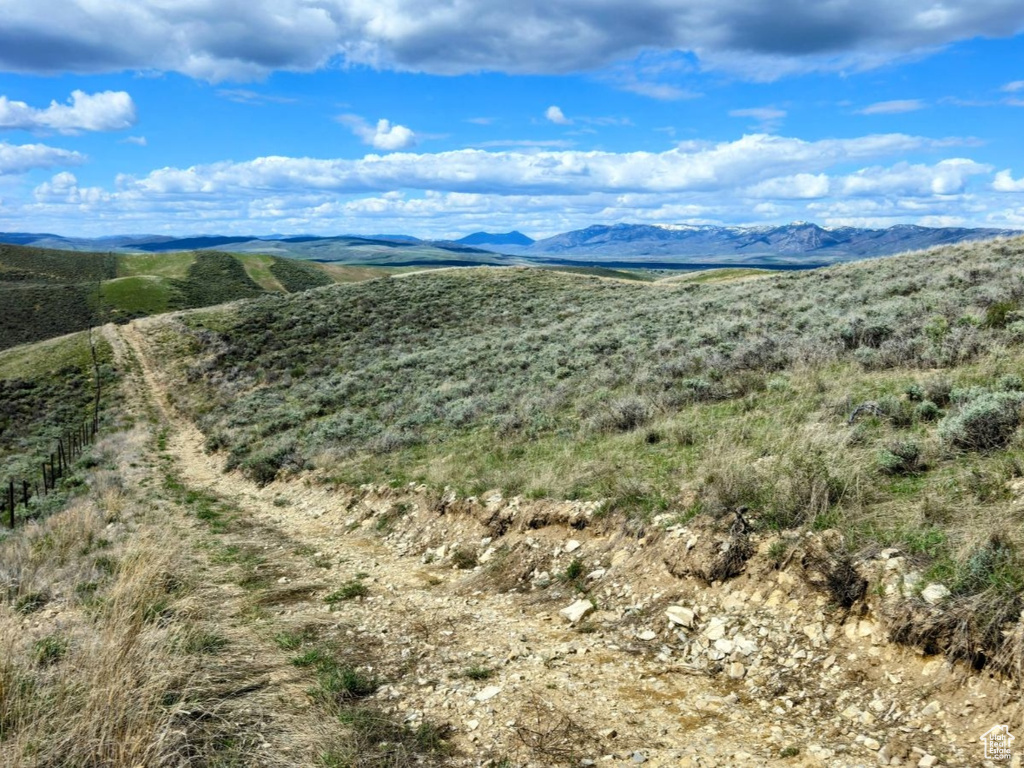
(698, 645)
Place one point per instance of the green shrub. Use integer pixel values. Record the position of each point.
(900, 457)
(1011, 382)
(987, 421)
(914, 392)
(938, 390)
(899, 412)
(998, 314)
(626, 414)
(298, 276)
(926, 410)
(995, 565)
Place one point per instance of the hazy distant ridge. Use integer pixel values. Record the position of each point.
(789, 244)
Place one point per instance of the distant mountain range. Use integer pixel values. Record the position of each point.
(796, 245)
(489, 238)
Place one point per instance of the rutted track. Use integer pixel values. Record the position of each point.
(612, 691)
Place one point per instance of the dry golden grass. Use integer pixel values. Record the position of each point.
(90, 662)
(106, 643)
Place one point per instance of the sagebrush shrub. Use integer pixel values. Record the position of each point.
(988, 420)
(624, 415)
(900, 457)
(926, 410)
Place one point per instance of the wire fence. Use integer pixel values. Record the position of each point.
(69, 447)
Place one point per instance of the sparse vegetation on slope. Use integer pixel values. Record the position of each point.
(298, 276)
(47, 293)
(44, 390)
(676, 399)
(214, 278)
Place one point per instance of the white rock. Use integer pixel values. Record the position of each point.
(872, 744)
(736, 670)
(927, 761)
(933, 708)
(647, 635)
(677, 614)
(572, 545)
(934, 593)
(744, 646)
(716, 629)
(488, 693)
(724, 645)
(814, 632)
(577, 610)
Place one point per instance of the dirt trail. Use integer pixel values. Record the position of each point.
(622, 688)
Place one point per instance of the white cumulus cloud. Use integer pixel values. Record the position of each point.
(21, 158)
(948, 177)
(1004, 182)
(106, 111)
(756, 178)
(384, 135)
(556, 116)
(690, 166)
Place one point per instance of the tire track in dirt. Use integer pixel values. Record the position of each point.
(554, 694)
(552, 672)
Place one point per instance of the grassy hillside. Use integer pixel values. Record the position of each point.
(47, 293)
(44, 390)
(673, 399)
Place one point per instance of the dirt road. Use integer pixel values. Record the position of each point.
(765, 673)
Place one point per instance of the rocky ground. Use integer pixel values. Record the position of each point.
(543, 634)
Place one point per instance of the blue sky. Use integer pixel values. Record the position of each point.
(439, 119)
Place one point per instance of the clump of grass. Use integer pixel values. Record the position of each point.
(350, 590)
(464, 558)
(377, 740)
(291, 640)
(337, 680)
(388, 518)
(31, 602)
(478, 672)
(50, 650)
(573, 574)
(777, 552)
(204, 642)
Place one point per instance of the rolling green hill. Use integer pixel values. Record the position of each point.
(46, 293)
